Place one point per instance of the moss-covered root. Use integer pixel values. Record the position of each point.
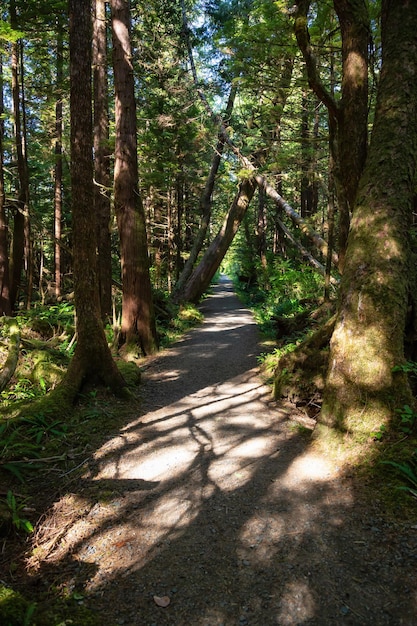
(301, 373)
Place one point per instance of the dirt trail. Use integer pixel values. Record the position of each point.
(210, 499)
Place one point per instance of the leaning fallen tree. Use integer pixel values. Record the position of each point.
(203, 274)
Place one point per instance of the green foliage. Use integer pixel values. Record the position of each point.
(379, 434)
(19, 522)
(407, 470)
(269, 360)
(55, 319)
(283, 289)
(23, 389)
(408, 419)
(23, 440)
(187, 316)
(15, 610)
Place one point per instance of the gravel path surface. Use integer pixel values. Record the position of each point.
(210, 503)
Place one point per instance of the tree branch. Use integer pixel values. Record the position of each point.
(313, 75)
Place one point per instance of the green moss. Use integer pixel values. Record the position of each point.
(130, 372)
(15, 610)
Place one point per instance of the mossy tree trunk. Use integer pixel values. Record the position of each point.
(92, 360)
(362, 390)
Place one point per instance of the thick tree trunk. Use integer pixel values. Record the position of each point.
(92, 360)
(362, 390)
(353, 113)
(206, 269)
(102, 158)
(138, 321)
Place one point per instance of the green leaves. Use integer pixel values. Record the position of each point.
(408, 471)
(19, 522)
(22, 442)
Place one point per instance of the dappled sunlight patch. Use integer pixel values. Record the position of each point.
(173, 511)
(297, 604)
(222, 404)
(166, 463)
(306, 469)
(228, 323)
(259, 534)
(237, 464)
(115, 445)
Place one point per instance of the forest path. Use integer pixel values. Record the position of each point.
(210, 501)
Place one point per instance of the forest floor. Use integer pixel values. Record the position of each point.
(210, 506)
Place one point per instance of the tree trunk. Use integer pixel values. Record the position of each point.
(58, 157)
(102, 158)
(138, 322)
(362, 391)
(351, 112)
(261, 229)
(21, 208)
(5, 305)
(9, 367)
(206, 269)
(92, 360)
(353, 117)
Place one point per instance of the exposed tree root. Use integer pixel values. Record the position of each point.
(300, 375)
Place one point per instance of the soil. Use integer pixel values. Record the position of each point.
(211, 507)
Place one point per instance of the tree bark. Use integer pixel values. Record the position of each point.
(102, 158)
(205, 202)
(304, 227)
(5, 304)
(58, 157)
(351, 113)
(138, 321)
(9, 366)
(22, 204)
(362, 391)
(92, 360)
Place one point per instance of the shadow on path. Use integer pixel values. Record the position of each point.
(210, 499)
